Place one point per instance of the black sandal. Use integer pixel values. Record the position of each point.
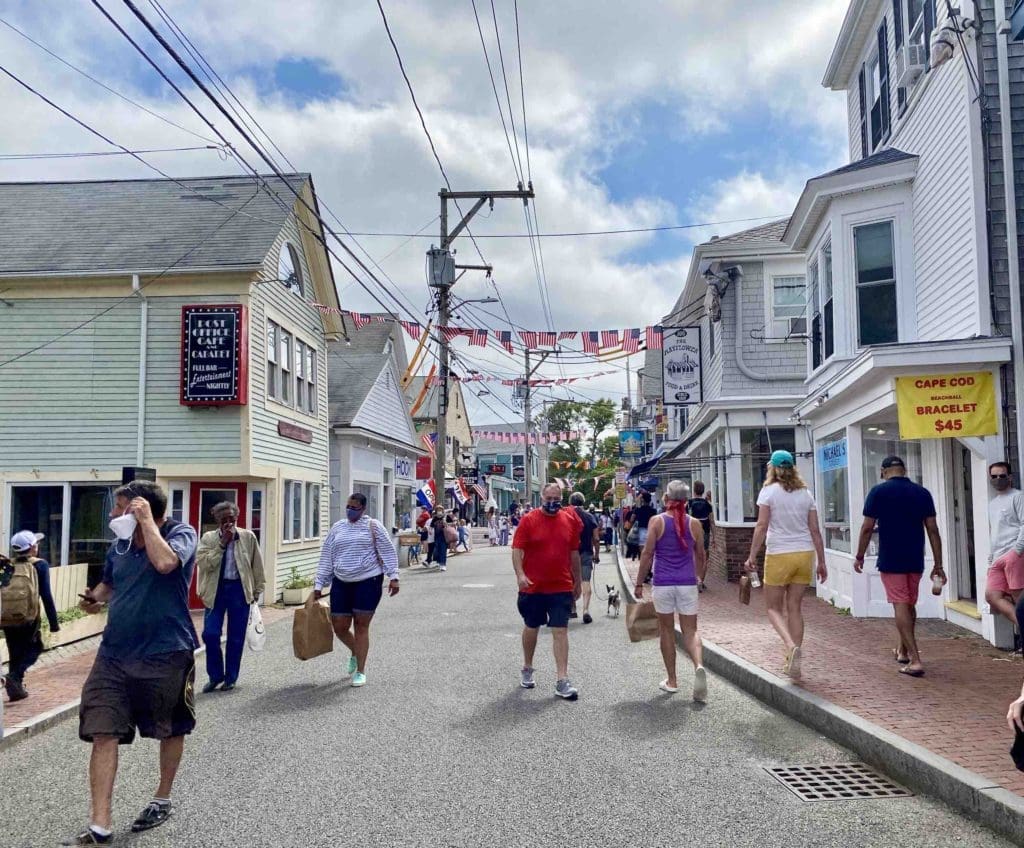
(154, 815)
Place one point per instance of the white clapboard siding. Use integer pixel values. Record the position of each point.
(385, 411)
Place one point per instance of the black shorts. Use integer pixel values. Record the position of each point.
(154, 694)
(552, 609)
(361, 596)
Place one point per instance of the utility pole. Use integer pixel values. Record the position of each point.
(442, 278)
(526, 417)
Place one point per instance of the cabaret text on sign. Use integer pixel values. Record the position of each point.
(214, 355)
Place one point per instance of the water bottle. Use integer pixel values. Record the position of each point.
(755, 579)
(937, 584)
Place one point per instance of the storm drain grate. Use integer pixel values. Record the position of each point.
(836, 782)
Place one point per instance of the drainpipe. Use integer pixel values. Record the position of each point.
(1012, 248)
(741, 363)
(140, 446)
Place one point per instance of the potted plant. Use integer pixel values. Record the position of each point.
(296, 590)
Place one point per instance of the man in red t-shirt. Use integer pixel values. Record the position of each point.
(546, 557)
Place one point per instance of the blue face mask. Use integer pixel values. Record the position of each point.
(353, 514)
(552, 506)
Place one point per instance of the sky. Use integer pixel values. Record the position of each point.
(656, 113)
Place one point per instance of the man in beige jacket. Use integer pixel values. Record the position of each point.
(230, 578)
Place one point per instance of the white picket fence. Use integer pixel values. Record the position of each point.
(66, 582)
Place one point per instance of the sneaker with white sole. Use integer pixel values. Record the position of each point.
(565, 689)
(700, 685)
(526, 680)
(358, 679)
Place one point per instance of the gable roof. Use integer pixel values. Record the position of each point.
(350, 378)
(765, 232)
(142, 226)
(883, 157)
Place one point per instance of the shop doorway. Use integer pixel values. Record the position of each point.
(202, 498)
(966, 580)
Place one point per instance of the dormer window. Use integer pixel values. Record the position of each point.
(289, 268)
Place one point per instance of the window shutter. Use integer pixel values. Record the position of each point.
(863, 115)
(883, 76)
(897, 26)
(929, 25)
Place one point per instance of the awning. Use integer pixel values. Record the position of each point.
(647, 466)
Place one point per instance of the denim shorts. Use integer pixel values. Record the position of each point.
(586, 566)
(540, 608)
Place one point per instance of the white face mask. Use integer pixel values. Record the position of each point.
(123, 526)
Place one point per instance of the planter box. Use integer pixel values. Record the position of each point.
(296, 597)
(74, 631)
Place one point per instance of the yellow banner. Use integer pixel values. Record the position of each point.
(937, 406)
(620, 491)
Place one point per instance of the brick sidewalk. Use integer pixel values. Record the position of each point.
(57, 682)
(956, 711)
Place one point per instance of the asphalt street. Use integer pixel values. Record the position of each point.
(443, 748)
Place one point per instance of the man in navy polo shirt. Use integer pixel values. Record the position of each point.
(903, 512)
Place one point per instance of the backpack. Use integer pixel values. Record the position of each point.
(19, 599)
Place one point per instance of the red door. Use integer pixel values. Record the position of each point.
(202, 498)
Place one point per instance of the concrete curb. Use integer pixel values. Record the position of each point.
(908, 763)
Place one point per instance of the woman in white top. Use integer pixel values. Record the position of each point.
(788, 517)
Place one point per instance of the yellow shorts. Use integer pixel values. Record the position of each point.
(784, 569)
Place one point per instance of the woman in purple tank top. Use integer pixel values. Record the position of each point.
(675, 546)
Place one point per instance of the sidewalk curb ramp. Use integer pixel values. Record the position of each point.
(908, 763)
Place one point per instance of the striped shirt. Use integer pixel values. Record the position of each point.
(353, 551)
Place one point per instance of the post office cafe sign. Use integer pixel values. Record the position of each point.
(214, 355)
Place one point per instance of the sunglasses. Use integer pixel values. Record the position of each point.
(999, 476)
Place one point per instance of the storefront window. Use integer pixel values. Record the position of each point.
(834, 499)
(313, 506)
(41, 510)
(756, 448)
(882, 440)
(90, 535)
(256, 513)
(370, 491)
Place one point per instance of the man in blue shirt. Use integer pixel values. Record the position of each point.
(903, 512)
(144, 672)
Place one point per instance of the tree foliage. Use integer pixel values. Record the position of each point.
(599, 415)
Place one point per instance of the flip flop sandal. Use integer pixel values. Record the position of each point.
(912, 672)
(896, 656)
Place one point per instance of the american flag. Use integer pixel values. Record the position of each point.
(360, 319)
(529, 338)
(610, 338)
(382, 319)
(591, 341)
(630, 341)
(566, 334)
(429, 439)
(481, 492)
(451, 333)
(412, 328)
(478, 338)
(547, 339)
(505, 339)
(654, 338)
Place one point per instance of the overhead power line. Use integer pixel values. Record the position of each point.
(11, 157)
(582, 233)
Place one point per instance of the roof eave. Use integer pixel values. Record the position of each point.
(819, 193)
(837, 74)
(128, 272)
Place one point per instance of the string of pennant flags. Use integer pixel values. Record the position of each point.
(559, 381)
(631, 340)
(552, 438)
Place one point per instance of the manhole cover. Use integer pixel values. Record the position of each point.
(836, 782)
(477, 585)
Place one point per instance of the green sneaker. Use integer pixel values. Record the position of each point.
(358, 679)
(352, 665)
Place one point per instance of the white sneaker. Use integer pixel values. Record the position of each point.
(700, 685)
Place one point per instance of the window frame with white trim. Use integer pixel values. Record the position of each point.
(292, 362)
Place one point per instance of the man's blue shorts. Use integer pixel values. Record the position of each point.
(552, 609)
(361, 596)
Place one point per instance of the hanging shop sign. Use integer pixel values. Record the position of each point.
(496, 468)
(403, 468)
(519, 473)
(832, 456)
(937, 406)
(620, 491)
(682, 378)
(631, 444)
(214, 355)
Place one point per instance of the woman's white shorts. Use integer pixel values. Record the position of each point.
(675, 599)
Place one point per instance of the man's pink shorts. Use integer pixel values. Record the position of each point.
(901, 588)
(1006, 574)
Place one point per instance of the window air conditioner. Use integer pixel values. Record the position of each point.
(911, 60)
(797, 327)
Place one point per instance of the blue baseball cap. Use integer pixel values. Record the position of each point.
(782, 459)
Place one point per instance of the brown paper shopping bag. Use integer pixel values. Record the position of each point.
(312, 634)
(641, 621)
